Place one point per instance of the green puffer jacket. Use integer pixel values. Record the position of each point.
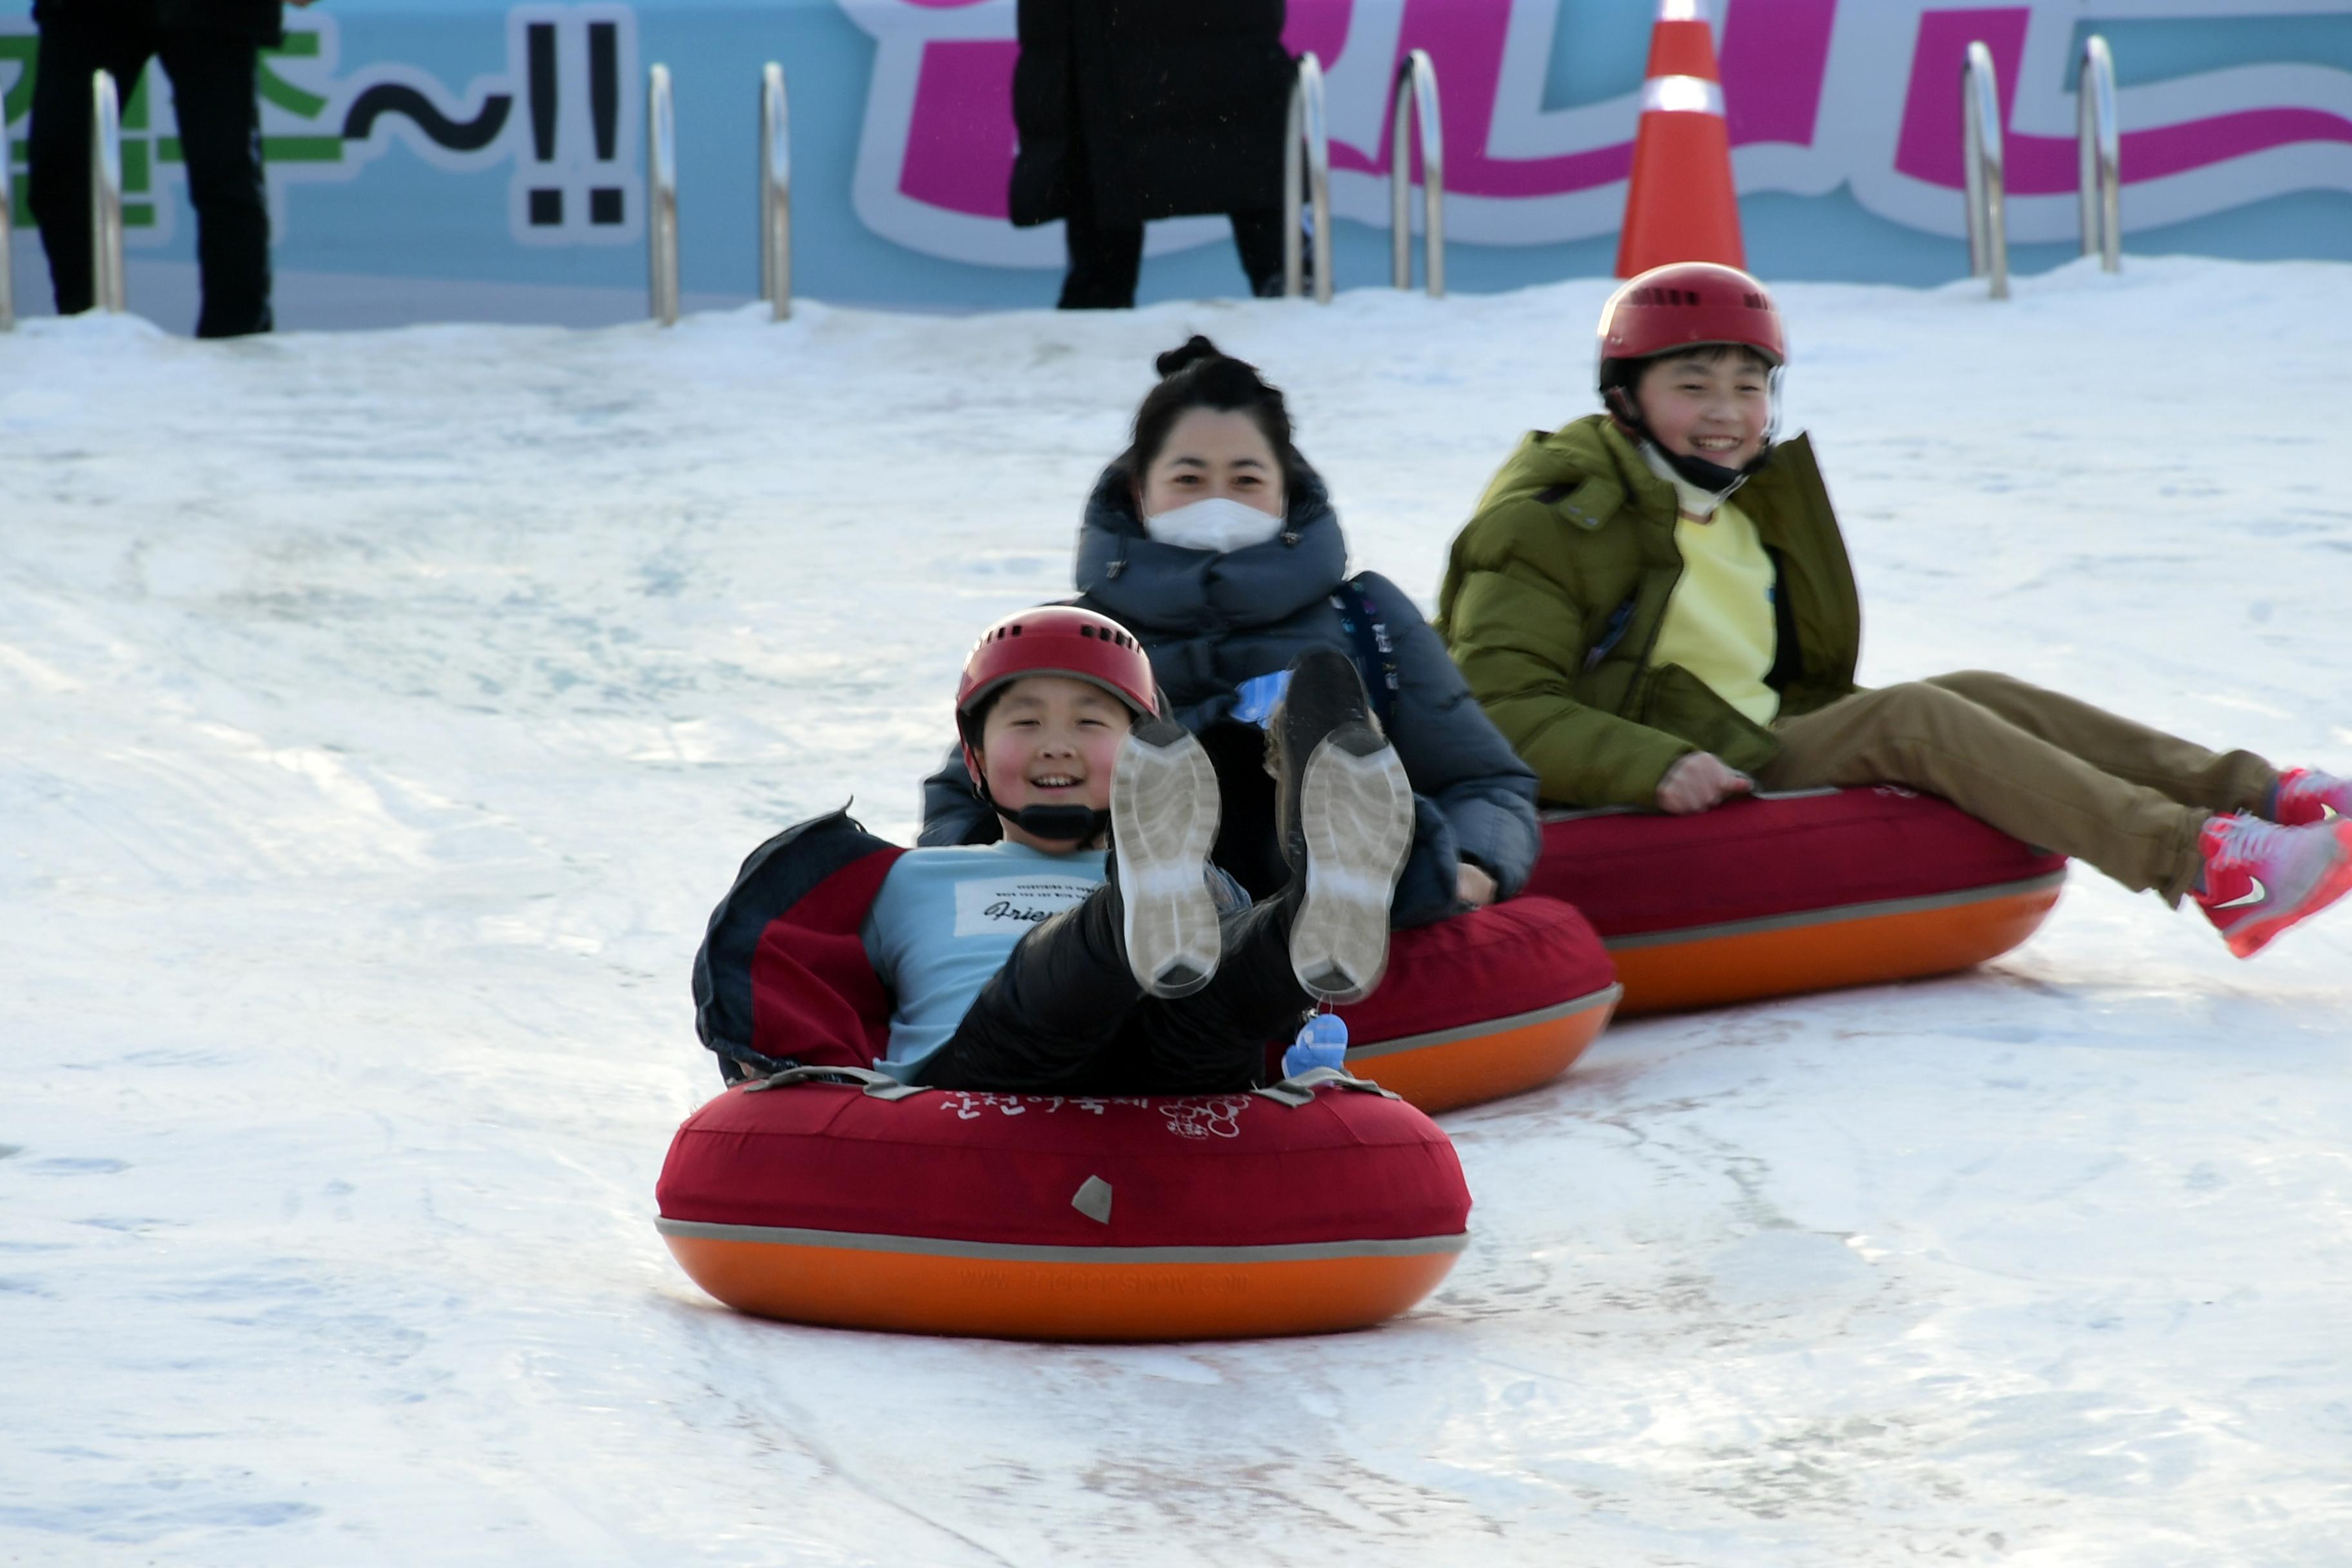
(1555, 590)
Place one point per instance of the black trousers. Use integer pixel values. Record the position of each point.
(1064, 1015)
(213, 72)
(1105, 260)
(1249, 843)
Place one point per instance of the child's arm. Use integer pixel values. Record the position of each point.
(1515, 624)
(1458, 759)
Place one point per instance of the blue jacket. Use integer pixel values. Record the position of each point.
(1211, 621)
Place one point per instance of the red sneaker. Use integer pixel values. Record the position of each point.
(2261, 878)
(2308, 795)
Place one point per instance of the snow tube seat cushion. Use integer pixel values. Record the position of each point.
(1488, 1002)
(1285, 1211)
(1783, 894)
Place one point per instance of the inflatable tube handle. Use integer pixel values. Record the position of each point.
(1300, 1089)
(878, 1085)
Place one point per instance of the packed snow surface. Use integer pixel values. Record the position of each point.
(385, 712)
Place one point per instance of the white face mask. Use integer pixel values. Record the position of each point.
(1218, 524)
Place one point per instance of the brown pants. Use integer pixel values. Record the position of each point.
(2038, 766)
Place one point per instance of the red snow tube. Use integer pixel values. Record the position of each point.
(1493, 1002)
(1797, 892)
(1298, 1209)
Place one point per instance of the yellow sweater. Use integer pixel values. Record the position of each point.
(1719, 624)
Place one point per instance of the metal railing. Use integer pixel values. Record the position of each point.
(1981, 152)
(2099, 154)
(8, 231)
(661, 195)
(105, 194)
(1416, 100)
(1307, 176)
(775, 194)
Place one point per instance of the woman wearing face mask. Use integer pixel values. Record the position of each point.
(1213, 540)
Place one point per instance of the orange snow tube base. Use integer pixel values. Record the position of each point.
(1488, 1002)
(1858, 945)
(1202, 1292)
(1319, 1204)
(1778, 895)
(1469, 1065)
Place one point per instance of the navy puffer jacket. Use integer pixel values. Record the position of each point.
(1210, 621)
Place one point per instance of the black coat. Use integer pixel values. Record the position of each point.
(1211, 621)
(1162, 108)
(263, 21)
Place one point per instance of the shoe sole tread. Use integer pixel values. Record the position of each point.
(1356, 813)
(1164, 810)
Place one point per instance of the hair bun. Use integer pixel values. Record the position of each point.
(1195, 348)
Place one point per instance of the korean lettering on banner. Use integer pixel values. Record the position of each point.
(566, 109)
(1819, 94)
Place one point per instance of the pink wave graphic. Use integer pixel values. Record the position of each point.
(961, 140)
(1929, 147)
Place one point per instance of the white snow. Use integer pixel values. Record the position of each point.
(384, 713)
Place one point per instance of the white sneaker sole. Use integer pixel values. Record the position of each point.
(1163, 810)
(1355, 810)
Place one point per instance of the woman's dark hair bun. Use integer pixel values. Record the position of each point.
(1200, 374)
(1195, 348)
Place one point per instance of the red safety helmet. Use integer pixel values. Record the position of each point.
(1687, 303)
(1053, 639)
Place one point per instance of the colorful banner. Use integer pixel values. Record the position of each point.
(451, 144)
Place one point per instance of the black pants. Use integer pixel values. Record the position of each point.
(1065, 1014)
(213, 73)
(1105, 260)
(1249, 844)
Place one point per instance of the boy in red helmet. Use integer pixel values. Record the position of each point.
(1655, 607)
(1093, 949)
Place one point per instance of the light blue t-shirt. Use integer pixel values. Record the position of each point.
(945, 920)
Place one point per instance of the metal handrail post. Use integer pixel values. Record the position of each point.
(105, 194)
(1416, 97)
(7, 232)
(1307, 176)
(1981, 152)
(661, 195)
(775, 194)
(2099, 154)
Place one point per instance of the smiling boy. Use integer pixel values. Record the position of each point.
(1655, 607)
(1093, 949)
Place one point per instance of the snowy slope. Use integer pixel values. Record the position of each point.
(385, 712)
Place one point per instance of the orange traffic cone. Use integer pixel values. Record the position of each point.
(1680, 205)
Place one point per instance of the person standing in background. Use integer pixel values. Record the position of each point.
(211, 49)
(1134, 109)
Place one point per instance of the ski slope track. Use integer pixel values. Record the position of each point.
(384, 713)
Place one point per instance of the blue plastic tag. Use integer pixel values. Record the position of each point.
(1322, 1042)
(1255, 698)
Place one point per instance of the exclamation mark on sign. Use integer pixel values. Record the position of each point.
(546, 201)
(605, 110)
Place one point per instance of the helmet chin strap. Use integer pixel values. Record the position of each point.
(1076, 825)
(1713, 478)
(1072, 824)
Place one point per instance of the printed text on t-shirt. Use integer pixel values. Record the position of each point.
(987, 904)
